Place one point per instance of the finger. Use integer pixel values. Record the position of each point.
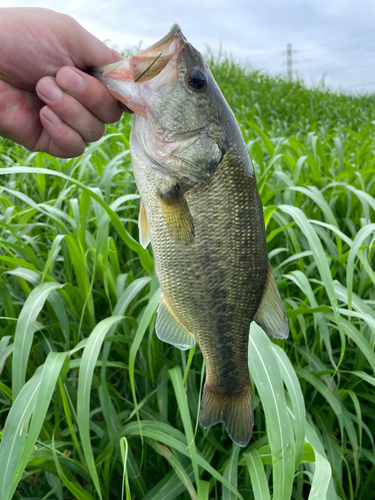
(86, 50)
(89, 92)
(19, 115)
(70, 110)
(57, 138)
(125, 108)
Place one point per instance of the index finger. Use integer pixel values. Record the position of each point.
(90, 93)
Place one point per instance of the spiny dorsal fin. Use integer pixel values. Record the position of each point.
(177, 213)
(144, 235)
(271, 313)
(169, 329)
(234, 410)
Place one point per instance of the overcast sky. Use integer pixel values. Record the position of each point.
(334, 39)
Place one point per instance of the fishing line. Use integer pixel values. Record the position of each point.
(145, 71)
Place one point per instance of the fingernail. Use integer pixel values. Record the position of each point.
(69, 80)
(51, 116)
(48, 89)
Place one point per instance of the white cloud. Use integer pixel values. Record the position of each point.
(331, 36)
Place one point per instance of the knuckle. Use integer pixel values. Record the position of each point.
(38, 149)
(100, 102)
(67, 143)
(48, 90)
(96, 96)
(70, 80)
(71, 150)
(115, 115)
(80, 149)
(97, 132)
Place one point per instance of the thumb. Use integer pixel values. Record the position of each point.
(87, 51)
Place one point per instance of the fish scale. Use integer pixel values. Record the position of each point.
(202, 212)
(220, 292)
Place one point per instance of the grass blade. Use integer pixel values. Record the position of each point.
(179, 389)
(296, 397)
(264, 371)
(49, 375)
(364, 233)
(14, 434)
(133, 244)
(230, 472)
(89, 357)
(321, 263)
(258, 477)
(23, 338)
(145, 321)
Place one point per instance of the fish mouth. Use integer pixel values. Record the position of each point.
(144, 80)
(143, 68)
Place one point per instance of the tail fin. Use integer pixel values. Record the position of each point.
(235, 410)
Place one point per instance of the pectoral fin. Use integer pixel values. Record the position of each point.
(169, 329)
(271, 315)
(176, 211)
(144, 235)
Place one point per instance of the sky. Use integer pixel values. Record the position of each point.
(332, 40)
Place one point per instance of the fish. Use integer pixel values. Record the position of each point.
(202, 213)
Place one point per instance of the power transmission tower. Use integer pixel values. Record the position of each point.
(289, 60)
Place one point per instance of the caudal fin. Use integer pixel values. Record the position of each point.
(234, 410)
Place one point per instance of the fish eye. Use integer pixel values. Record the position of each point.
(197, 79)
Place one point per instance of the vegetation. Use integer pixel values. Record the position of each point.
(93, 405)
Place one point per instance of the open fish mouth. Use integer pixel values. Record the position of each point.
(157, 84)
(123, 78)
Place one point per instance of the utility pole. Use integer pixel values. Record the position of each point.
(289, 60)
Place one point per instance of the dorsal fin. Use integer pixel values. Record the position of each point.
(270, 315)
(179, 220)
(169, 329)
(144, 235)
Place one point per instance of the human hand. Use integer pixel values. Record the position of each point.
(47, 103)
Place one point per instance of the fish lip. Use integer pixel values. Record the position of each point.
(166, 48)
(175, 29)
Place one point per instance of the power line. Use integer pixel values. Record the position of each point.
(267, 53)
(342, 52)
(318, 61)
(261, 58)
(333, 64)
(361, 84)
(339, 41)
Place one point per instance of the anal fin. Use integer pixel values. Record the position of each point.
(270, 315)
(144, 235)
(169, 329)
(176, 211)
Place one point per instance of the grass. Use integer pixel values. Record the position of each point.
(94, 406)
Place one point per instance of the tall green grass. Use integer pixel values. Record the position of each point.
(93, 405)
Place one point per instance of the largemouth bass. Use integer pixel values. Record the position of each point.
(202, 213)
